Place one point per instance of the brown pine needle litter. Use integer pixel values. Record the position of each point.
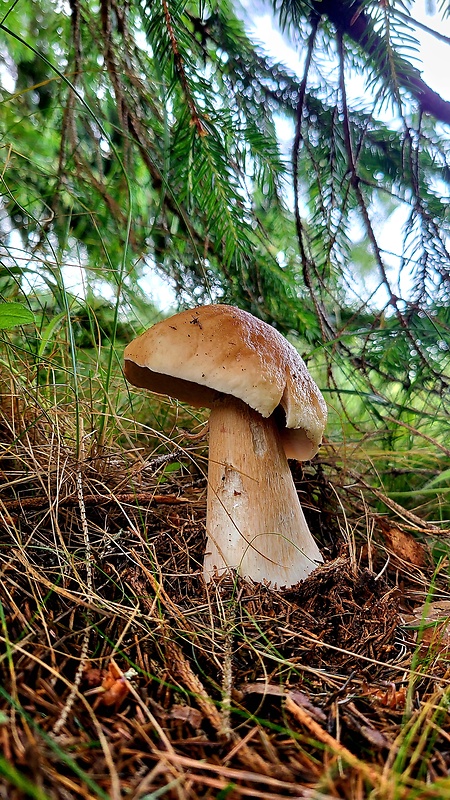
(124, 676)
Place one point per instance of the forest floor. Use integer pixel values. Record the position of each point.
(124, 676)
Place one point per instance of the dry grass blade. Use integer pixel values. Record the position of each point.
(157, 685)
(331, 743)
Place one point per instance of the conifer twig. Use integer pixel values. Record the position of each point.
(61, 721)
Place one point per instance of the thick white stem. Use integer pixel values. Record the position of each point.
(254, 521)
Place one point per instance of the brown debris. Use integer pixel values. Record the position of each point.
(431, 623)
(403, 546)
(233, 689)
(110, 686)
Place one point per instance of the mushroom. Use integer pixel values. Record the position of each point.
(265, 408)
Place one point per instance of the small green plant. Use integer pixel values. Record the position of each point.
(14, 314)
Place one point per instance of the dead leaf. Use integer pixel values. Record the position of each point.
(262, 688)
(93, 676)
(297, 696)
(432, 621)
(109, 686)
(186, 714)
(389, 697)
(376, 738)
(403, 545)
(303, 700)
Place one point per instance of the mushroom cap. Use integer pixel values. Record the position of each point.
(203, 353)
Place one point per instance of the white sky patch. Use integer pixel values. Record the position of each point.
(266, 33)
(434, 54)
(158, 289)
(285, 129)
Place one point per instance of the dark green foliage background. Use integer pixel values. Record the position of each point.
(141, 137)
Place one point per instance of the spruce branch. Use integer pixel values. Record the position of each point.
(350, 19)
(393, 300)
(179, 65)
(298, 220)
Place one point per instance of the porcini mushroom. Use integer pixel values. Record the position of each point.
(265, 408)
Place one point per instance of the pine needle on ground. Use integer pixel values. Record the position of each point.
(124, 676)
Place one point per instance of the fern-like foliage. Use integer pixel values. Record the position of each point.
(221, 150)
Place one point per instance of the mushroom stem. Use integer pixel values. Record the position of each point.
(255, 523)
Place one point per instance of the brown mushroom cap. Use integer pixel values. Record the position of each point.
(200, 354)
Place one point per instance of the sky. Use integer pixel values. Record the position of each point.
(435, 55)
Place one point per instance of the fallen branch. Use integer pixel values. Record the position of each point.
(95, 499)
